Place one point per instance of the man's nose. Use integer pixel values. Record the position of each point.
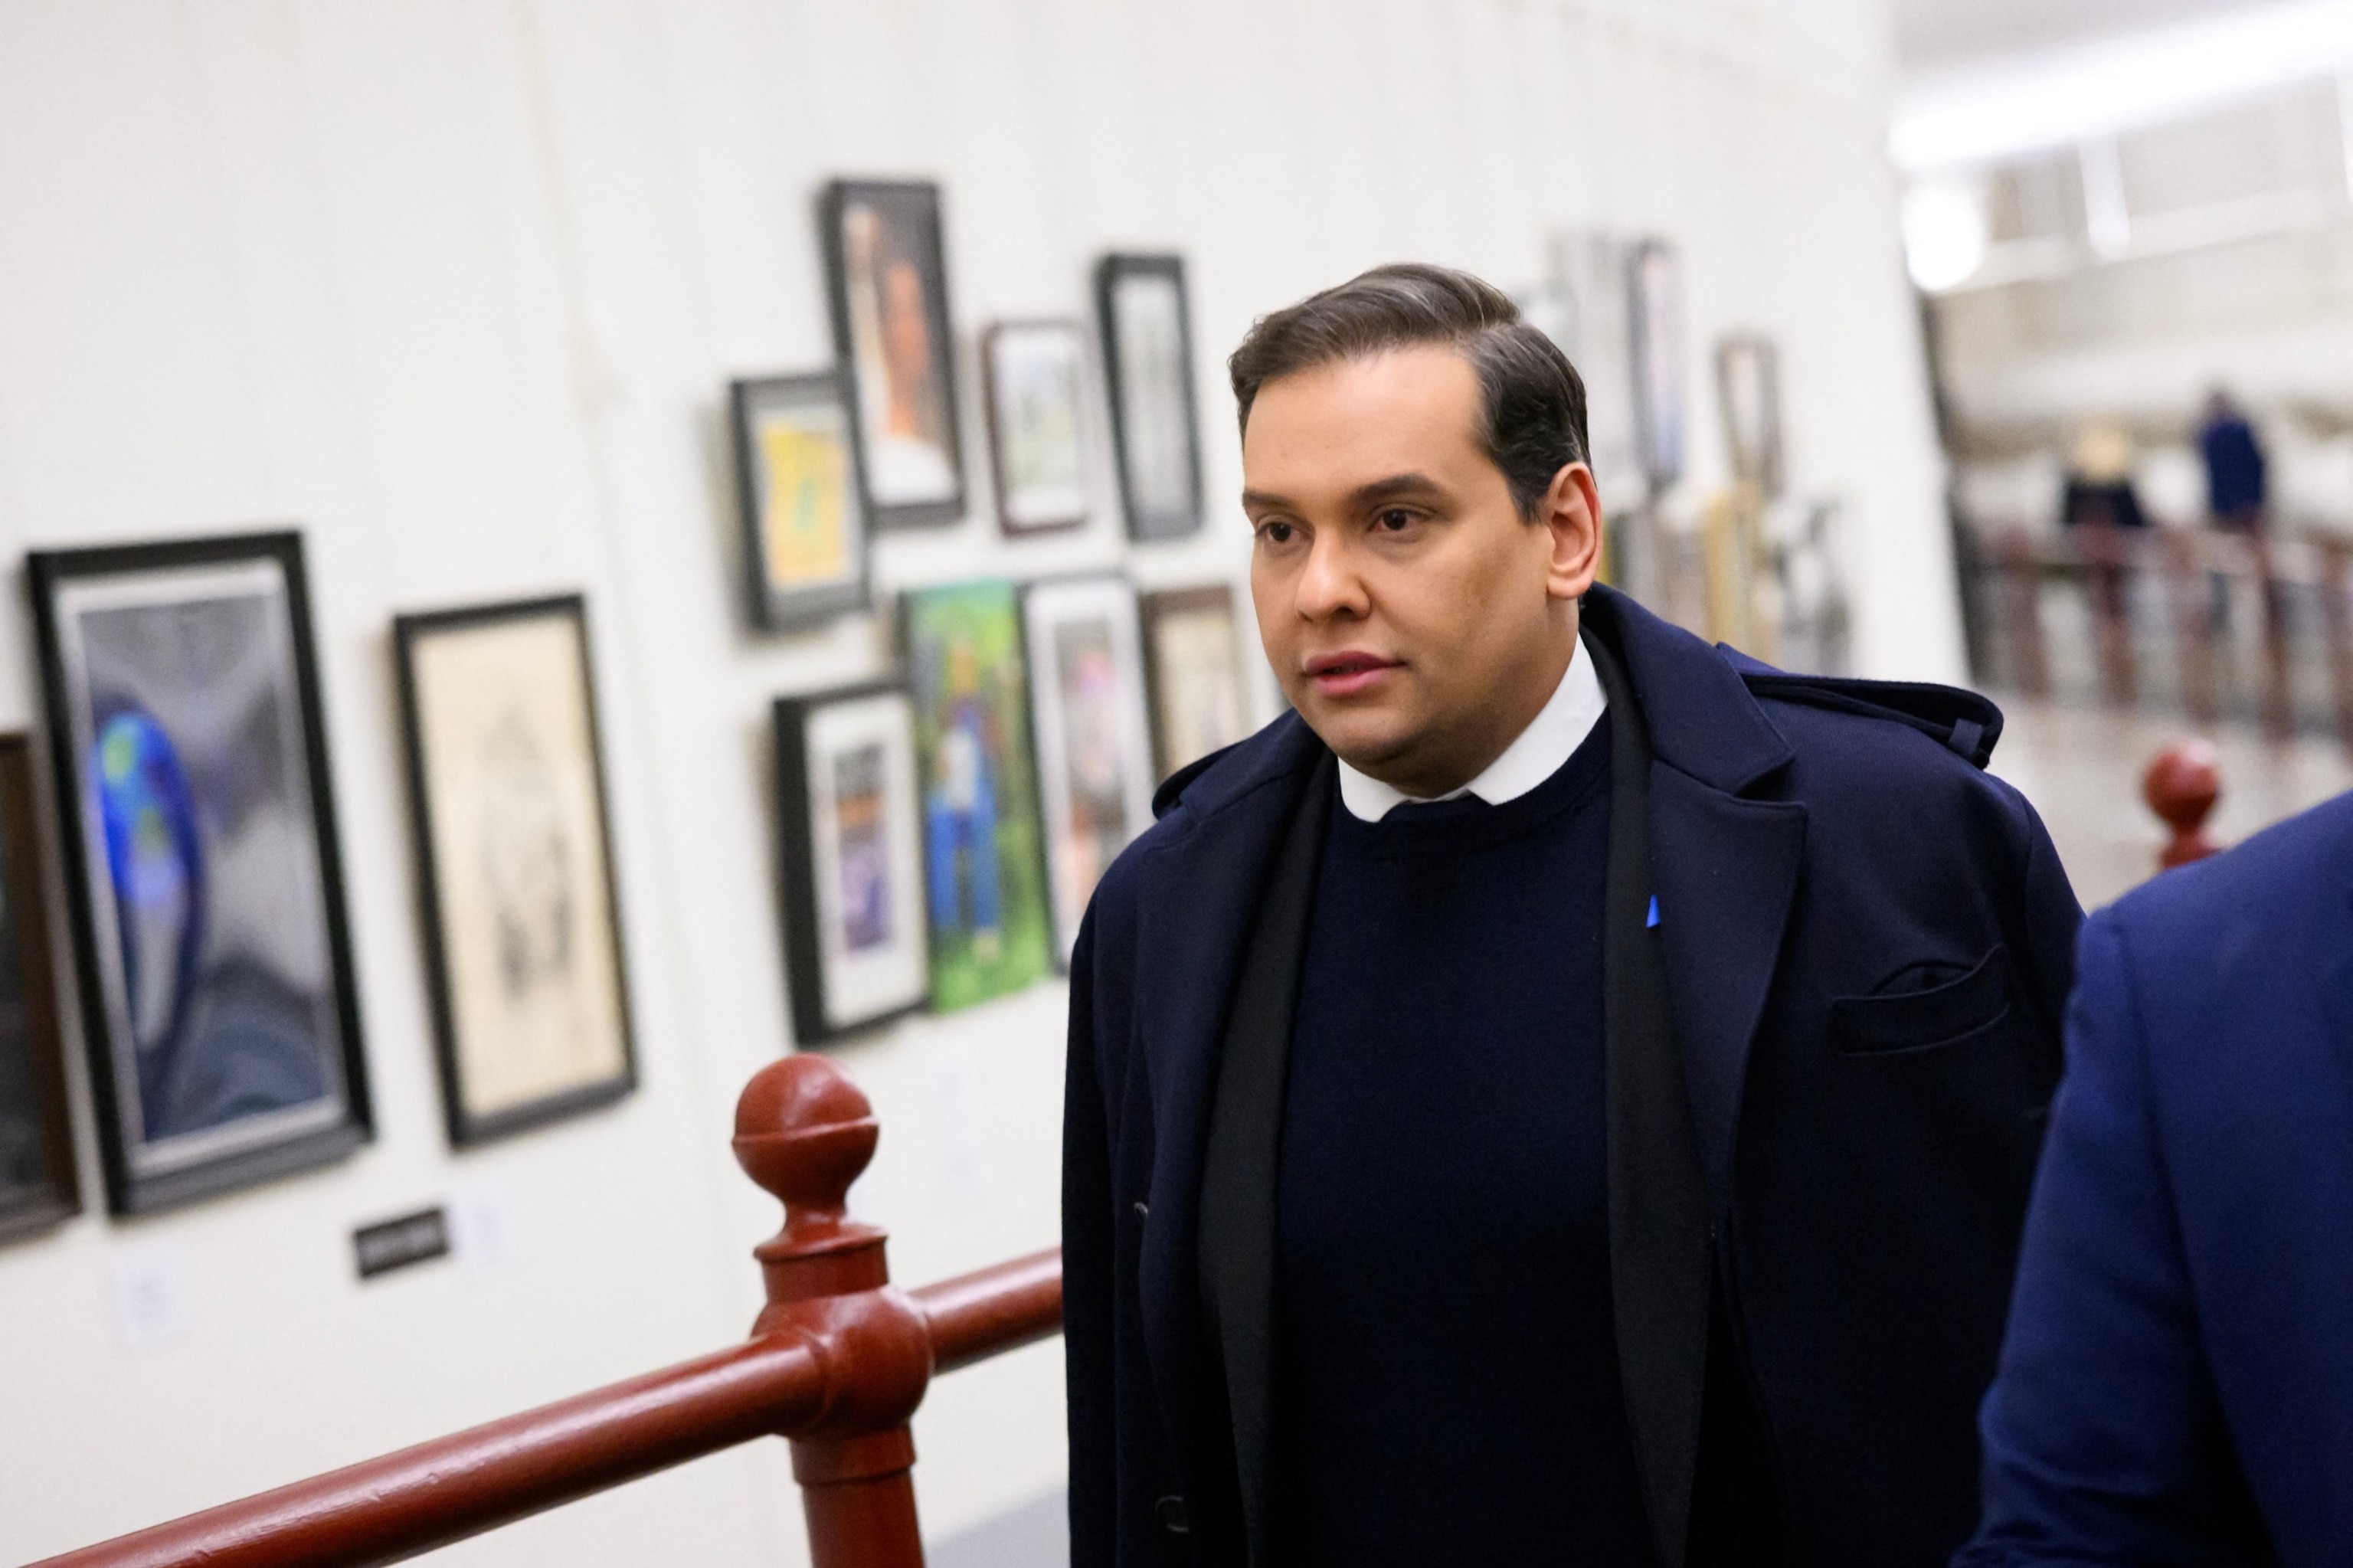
(1330, 584)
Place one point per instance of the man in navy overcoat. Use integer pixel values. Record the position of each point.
(1565, 1093)
(2178, 1383)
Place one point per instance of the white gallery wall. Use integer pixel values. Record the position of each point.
(456, 286)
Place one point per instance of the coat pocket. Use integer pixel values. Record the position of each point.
(1943, 1014)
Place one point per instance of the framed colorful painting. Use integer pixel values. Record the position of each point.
(1094, 743)
(38, 1186)
(523, 931)
(983, 874)
(1148, 346)
(852, 859)
(887, 278)
(803, 516)
(203, 875)
(1037, 432)
(1194, 673)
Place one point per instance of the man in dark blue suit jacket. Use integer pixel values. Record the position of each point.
(2178, 1383)
(1637, 1179)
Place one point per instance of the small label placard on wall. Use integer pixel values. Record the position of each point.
(388, 1244)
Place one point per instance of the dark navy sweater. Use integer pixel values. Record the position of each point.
(1448, 1378)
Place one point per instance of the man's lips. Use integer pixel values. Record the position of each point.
(1347, 673)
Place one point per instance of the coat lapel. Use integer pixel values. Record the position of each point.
(1701, 882)
(1240, 1175)
(1658, 1204)
(1200, 891)
(1726, 873)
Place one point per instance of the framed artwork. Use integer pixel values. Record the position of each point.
(1655, 274)
(1194, 673)
(888, 280)
(1036, 432)
(38, 1186)
(853, 862)
(1094, 744)
(202, 871)
(1147, 345)
(514, 864)
(804, 515)
(983, 877)
(1748, 387)
(1586, 307)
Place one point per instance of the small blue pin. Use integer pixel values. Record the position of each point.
(1654, 912)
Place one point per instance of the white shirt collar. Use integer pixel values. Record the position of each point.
(1559, 727)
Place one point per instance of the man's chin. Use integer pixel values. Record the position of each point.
(1368, 742)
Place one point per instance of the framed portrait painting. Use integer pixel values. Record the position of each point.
(203, 875)
(523, 931)
(38, 1186)
(1146, 327)
(804, 515)
(1193, 667)
(853, 863)
(1749, 390)
(888, 280)
(1094, 745)
(1037, 432)
(983, 878)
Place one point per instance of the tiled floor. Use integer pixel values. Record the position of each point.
(2082, 768)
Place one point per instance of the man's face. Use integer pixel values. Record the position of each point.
(1415, 618)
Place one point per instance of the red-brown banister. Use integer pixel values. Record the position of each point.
(836, 1362)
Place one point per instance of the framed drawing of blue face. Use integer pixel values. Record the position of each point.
(202, 872)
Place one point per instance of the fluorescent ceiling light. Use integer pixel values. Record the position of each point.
(1943, 232)
(1981, 114)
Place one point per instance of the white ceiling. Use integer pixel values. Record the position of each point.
(1933, 35)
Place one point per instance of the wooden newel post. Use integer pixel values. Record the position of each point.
(805, 1132)
(2181, 787)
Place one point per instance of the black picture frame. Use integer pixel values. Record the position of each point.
(1143, 318)
(549, 815)
(1018, 510)
(39, 1186)
(830, 1002)
(908, 480)
(1195, 654)
(815, 404)
(1090, 738)
(198, 598)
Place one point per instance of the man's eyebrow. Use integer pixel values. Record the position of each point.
(1396, 487)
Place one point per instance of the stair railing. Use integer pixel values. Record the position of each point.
(838, 1361)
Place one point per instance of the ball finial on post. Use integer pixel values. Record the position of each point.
(804, 1132)
(2181, 787)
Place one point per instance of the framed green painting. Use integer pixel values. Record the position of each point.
(983, 874)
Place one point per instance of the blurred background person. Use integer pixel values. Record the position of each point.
(2234, 465)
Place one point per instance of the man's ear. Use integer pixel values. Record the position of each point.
(1571, 513)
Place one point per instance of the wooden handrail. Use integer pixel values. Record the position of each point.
(838, 1361)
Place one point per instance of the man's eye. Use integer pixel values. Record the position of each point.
(1276, 533)
(1396, 520)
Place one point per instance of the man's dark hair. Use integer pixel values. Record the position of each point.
(1533, 414)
